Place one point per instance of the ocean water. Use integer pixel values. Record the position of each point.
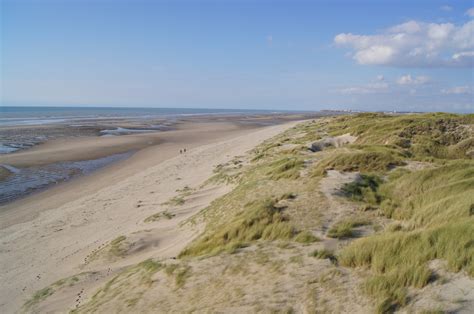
(11, 116)
(77, 121)
(80, 117)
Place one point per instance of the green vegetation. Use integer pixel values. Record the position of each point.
(306, 237)
(38, 297)
(44, 293)
(118, 288)
(432, 196)
(344, 229)
(118, 246)
(160, 215)
(323, 254)
(186, 190)
(175, 201)
(285, 168)
(364, 189)
(434, 135)
(273, 198)
(436, 205)
(259, 220)
(181, 273)
(365, 161)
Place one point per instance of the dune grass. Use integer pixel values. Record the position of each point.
(364, 189)
(431, 135)
(38, 297)
(285, 168)
(259, 220)
(116, 249)
(364, 161)
(175, 201)
(306, 237)
(436, 204)
(42, 294)
(437, 207)
(159, 216)
(119, 288)
(344, 229)
(118, 246)
(430, 197)
(323, 254)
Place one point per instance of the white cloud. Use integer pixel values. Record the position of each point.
(457, 90)
(446, 8)
(409, 80)
(470, 12)
(414, 44)
(380, 77)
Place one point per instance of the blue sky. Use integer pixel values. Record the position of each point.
(310, 55)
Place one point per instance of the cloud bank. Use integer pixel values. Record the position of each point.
(414, 44)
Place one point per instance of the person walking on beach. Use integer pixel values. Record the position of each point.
(180, 151)
(185, 150)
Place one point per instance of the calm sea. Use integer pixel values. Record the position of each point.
(10, 115)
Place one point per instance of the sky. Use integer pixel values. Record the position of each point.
(281, 55)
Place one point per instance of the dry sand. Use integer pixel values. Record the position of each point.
(51, 235)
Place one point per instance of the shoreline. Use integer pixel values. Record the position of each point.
(68, 153)
(150, 148)
(57, 229)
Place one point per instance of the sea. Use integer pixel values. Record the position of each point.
(10, 115)
(23, 127)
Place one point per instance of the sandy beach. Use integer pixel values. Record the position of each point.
(51, 235)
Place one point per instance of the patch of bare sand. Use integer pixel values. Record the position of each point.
(451, 292)
(256, 279)
(329, 141)
(56, 243)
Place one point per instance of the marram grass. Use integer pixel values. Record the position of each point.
(259, 220)
(437, 206)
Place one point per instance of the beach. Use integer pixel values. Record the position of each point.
(40, 149)
(50, 235)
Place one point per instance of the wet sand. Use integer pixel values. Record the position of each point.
(151, 148)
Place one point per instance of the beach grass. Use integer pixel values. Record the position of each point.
(118, 289)
(259, 220)
(323, 254)
(436, 206)
(306, 237)
(364, 161)
(345, 228)
(158, 216)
